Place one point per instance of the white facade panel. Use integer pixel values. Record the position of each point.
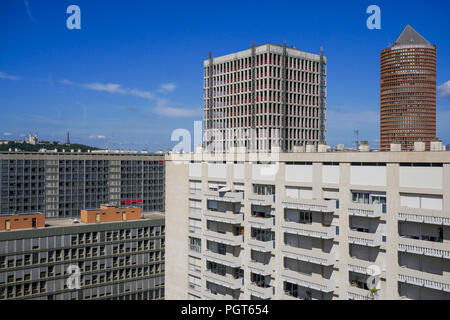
(195, 169)
(238, 171)
(421, 177)
(264, 171)
(330, 174)
(217, 170)
(368, 175)
(298, 173)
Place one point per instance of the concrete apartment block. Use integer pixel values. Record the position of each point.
(120, 260)
(265, 96)
(60, 184)
(308, 225)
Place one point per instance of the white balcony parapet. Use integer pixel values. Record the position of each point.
(363, 267)
(423, 247)
(225, 217)
(229, 282)
(225, 259)
(309, 230)
(364, 238)
(356, 293)
(263, 293)
(262, 246)
(261, 200)
(423, 216)
(373, 210)
(230, 239)
(260, 268)
(207, 294)
(424, 279)
(260, 222)
(224, 196)
(317, 205)
(320, 284)
(321, 258)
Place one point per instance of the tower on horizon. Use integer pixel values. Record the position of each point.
(68, 138)
(408, 91)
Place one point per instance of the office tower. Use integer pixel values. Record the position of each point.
(117, 252)
(309, 225)
(60, 184)
(408, 91)
(265, 96)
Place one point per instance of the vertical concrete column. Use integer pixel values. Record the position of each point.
(279, 236)
(343, 250)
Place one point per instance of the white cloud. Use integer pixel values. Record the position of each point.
(444, 89)
(100, 137)
(167, 87)
(4, 75)
(165, 110)
(27, 6)
(112, 88)
(7, 134)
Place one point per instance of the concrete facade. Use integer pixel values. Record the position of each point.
(269, 96)
(308, 225)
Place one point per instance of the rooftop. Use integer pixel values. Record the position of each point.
(409, 36)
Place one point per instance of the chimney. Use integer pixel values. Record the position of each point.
(322, 147)
(364, 146)
(310, 147)
(298, 148)
(395, 146)
(419, 146)
(436, 145)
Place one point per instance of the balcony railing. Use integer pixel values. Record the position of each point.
(262, 200)
(437, 217)
(309, 230)
(424, 279)
(362, 266)
(261, 292)
(373, 210)
(423, 247)
(225, 259)
(261, 222)
(225, 238)
(225, 217)
(223, 280)
(316, 205)
(260, 268)
(364, 238)
(312, 256)
(233, 197)
(316, 283)
(261, 245)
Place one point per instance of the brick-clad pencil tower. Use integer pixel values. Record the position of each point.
(408, 91)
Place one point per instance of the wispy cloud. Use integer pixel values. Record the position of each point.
(163, 109)
(7, 134)
(113, 88)
(444, 89)
(99, 137)
(27, 6)
(167, 87)
(4, 75)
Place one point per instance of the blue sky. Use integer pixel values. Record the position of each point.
(134, 70)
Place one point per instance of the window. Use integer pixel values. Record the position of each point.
(264, 189)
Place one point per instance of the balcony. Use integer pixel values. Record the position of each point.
(261, 200)
(225, 217)
(261, 245)
(316, 205)
(309, 230)
(225, 238)
(312, 256)
(424, 279)
(364, 238)
(362, 266)
(356, 293)
(260, 268)
(437, 217)
(423, 247)
(209, 295)
(261, 292)
(373, 210)
(261, 222)
(233, 197)
(225, 259)
(316, 283)
(225, 281)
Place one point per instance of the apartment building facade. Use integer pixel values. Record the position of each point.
(60, 184)
(120, 260)
(408, 91)
(268, 95)
(308, 225)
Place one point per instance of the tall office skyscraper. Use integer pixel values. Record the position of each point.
(265, 96)
(408, 91)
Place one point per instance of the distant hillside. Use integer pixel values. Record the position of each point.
(49, 146)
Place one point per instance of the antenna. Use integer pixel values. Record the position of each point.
(356, 132)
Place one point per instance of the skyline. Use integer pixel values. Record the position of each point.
(140, 85)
